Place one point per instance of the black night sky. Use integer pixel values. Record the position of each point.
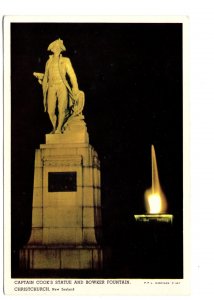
(132, 78)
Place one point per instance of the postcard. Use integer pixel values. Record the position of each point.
(96, 156)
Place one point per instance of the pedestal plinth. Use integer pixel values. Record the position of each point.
(66, 216)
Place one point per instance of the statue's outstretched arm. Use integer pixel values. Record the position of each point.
(39, 76)
(42, 79)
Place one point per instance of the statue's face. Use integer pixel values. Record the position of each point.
(56, 49)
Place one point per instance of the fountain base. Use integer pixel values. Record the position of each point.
(165, 218)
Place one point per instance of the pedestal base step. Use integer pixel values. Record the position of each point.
(61, 257)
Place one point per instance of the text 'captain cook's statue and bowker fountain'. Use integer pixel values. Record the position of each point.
(66, 213)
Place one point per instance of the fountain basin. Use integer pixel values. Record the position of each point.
(146, 218)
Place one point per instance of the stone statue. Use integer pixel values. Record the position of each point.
(62, 98)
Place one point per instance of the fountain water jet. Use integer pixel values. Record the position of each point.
(155, 200)
(154, 197)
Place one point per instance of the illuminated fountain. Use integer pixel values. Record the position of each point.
(155, 200)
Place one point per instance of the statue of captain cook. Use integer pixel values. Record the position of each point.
(58, 92)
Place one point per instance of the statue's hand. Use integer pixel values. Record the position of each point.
(39, 76)
(75, 91)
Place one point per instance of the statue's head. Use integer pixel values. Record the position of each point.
(56, 46)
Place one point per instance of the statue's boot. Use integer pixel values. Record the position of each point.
(58, 131)
(52, 131)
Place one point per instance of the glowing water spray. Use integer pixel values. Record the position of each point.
(155, 200)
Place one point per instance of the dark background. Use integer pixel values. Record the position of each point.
(132, 78)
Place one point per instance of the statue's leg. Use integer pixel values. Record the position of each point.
(62, 95)
(52, 106)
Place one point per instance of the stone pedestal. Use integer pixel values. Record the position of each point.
(66, 216)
